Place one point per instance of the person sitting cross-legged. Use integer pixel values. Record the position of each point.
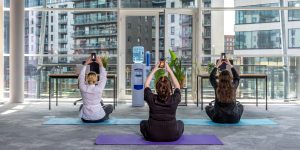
(162, 125)
(91, 90)
(225, 109)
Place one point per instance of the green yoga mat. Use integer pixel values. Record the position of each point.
(115, 121)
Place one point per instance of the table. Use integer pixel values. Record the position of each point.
(75, 76)
(245, 76)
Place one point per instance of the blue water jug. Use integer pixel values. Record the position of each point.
(138, 54)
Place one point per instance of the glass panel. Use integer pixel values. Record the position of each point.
(251, 42)
(262, 39)
(181, 42)
(238, 3)
(140, 31)
(63, 41)
(158, 4)
(294, 15)
(294, 38)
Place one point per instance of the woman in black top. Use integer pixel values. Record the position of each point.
(226, 109)
(162, 125)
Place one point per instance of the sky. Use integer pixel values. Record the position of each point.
(229, 18)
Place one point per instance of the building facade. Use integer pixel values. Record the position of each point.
(270, 32)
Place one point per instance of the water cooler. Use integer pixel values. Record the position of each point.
(138, 77)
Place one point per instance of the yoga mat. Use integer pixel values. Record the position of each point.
(131, 139)
(115, 121)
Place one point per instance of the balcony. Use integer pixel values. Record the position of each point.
(95, 20)
(95, 33)
(103, 45)
(95, 5)
(63, 21)
(63, 13)
(63, 41)
(206, 12)
(63, 49)
(186, 35)
(207, 23)
(62, 31)
(206, 35)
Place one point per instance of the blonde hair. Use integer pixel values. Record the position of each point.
(92, 78)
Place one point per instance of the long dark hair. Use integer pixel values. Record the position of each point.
(163, 88)
(225, 88)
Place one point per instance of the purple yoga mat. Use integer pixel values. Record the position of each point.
(139, 140)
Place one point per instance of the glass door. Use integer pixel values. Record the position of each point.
(179, 38)
(138, 29)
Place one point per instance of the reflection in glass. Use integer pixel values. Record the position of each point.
(262, 39)
(257, 16)
(158, 3)
(294, 15)
(294, 38)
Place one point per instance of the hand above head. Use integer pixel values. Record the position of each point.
(99, 61)
(156, 67)
(219, 63)
(88, 61)
(228, 63)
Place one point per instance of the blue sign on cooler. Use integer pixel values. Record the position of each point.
(138, 54)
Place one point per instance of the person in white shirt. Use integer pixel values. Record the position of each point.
(91, 90)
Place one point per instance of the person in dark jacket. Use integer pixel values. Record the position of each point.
(225, 109)
(162, 125)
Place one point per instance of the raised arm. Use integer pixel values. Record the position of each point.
(82, 74)
(103, 75)
(212, 76)
(150, 76)
(236, 76)
(173, 78)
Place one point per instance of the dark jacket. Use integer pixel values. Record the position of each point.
(224, 112)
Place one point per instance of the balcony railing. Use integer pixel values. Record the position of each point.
(83, 33)
(95, 5)
(112, 45)
(63, 40)
(63, 49)
(62, 30)
(63, 21)
(95, 20)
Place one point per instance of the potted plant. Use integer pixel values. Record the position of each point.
(210, 66)
(176, 66)
(105, 60)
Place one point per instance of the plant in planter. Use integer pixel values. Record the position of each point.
(210, 66)
(175, 65)
(105, 60)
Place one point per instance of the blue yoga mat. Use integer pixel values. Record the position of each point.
(129, 139)
(115, 121)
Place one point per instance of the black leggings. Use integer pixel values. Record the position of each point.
(108, 109)
(154, 134)
(222, 117)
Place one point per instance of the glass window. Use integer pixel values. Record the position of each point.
(263, 39)
(172, 4)
(172, 30)
(294, 38)
(294, 15)
(172, 18)
(157, 4)
(172, 42)
(255, 16)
